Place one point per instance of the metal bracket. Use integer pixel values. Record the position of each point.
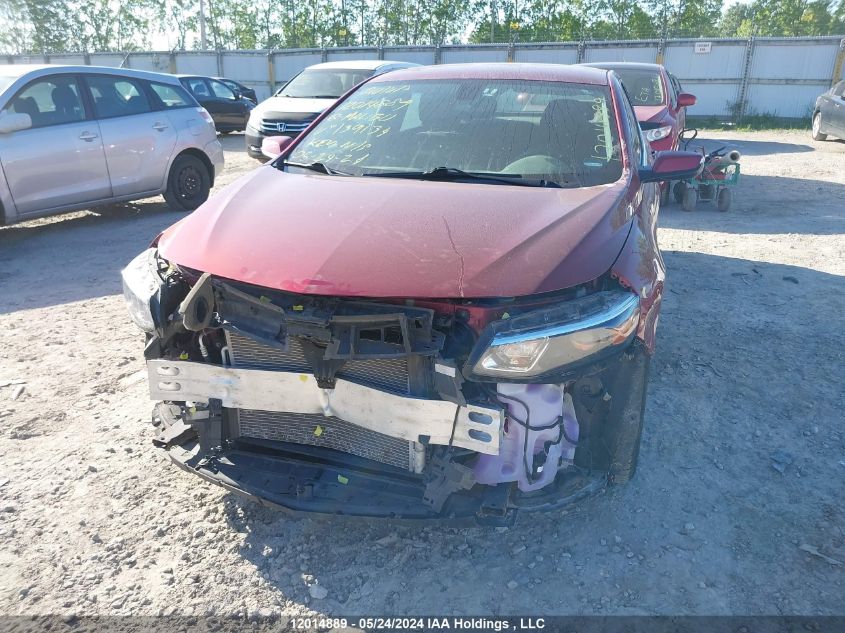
(447, 477)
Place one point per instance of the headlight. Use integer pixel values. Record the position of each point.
(141, 285)
(658, 133)
(542, 341)
(254, 121)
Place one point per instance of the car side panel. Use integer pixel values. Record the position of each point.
(138, 149)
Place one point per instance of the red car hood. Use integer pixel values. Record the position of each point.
(650, 113)
(383, 237)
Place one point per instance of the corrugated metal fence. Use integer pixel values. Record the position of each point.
(732, 78)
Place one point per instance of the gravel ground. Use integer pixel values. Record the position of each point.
(737, 507)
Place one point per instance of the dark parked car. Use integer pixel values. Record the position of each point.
(229, 110)
(239, 89)
(829, 113)
(438, 301)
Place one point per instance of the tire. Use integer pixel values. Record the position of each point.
(817, 128)
(724, 199)
(678, 191)
(690, 199)
(664, 193)
(626, 430)
(188, 183)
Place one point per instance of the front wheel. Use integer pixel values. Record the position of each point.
(817, 128)
(678, 190)
(723, 202)
(188, 183)
(690, 199)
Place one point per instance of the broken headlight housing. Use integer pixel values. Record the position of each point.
(141, 289)
(544, 341)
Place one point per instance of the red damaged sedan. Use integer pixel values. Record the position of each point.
(439, 301)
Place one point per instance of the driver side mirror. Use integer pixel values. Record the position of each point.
(685, 99)
(273, 146)
(14, 122)
(672, 166)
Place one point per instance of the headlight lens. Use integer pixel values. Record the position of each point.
(543, 341)
(658, 133)
(141, 284)
(254, 121)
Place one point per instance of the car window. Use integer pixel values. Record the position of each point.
(51, 101)
(117, 96)
(643, 86)
(327, 84)
(221, 91)
(171, 96)
(554, 131)
(198, 87)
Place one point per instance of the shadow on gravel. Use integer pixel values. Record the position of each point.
(740, 467)
(233, 142)
(74, 257)
(754, 148)
(768, 205)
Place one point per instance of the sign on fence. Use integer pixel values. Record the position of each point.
(702, 48)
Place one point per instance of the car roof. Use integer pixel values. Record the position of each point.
(31, 71)
(535, 72)
(360, 64)
(624, 65)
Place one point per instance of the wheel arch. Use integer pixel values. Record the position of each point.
(193, 151)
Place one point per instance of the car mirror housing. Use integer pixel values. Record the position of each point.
(685, 99)
(672, 166)
(14, 122)
(273, 146)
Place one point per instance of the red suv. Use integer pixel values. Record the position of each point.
(438, 300)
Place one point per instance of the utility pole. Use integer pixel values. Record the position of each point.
(492, 20)
(203, 41)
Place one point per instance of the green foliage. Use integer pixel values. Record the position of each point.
(56, 26)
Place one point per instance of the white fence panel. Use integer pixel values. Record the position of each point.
(289, 64)
(451, 55)
(424, 56)
(107, 59)
(158, 63)
(624, 53)
(345, 55)
(197, 64)
(724, 61)
(712, 99)
(71, 60)
(783, 100)
(793, 60)
(547, 55)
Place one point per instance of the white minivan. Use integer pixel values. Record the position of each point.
(72, 137)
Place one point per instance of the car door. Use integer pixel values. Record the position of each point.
(836, 105)
(138, 139)
(199, 88)
(233, 109)
(59, 161)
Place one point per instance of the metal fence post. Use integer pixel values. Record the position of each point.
(86, 58)
(381, 52)
(438, 54)
(581, 52)
(661, 51)
(172, 62)
(219, 63)
(324, 55)
(271, 70)
(743, 86)
(840, 61)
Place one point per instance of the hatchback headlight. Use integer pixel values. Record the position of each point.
(543, 341)
(658, 133)
(141, 289)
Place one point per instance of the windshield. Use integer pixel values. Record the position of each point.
(324, 84)
(558, 132)
(643, 86)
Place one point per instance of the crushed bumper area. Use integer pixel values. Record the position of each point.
(309, 479)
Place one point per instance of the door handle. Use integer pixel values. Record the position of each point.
(161, 127)
(88, 136)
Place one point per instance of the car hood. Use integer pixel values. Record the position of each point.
(650, 113)
(383, 237)
(283, 105)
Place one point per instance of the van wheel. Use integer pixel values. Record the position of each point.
(678, 190)
(188, 183)
(723, 202)
(817, 128)
(690, 199)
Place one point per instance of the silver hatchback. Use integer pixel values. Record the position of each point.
(72, 137)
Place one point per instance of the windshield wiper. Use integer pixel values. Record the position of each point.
(453, 174)
(318, 167)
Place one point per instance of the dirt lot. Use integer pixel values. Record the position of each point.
(737, 507)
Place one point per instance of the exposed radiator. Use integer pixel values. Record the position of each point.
(390, 374)
(316, 429)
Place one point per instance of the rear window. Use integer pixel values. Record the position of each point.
(643, 86)
(557, 132)
(171, 96)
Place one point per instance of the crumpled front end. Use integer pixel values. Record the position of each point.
(407, 408)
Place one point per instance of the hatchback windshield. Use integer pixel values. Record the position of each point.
(509, 130)
(323, 84)
(643, 86)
